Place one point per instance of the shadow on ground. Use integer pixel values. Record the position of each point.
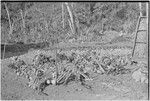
(20, 48)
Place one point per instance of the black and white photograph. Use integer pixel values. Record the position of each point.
(74, 50)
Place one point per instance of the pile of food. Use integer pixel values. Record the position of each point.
(65, 67)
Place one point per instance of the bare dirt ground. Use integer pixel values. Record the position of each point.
(104, 87)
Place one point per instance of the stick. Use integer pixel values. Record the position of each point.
(62, 76)
(67, 77)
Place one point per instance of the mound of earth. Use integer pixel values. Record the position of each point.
(104, 87)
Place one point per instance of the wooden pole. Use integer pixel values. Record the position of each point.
(147, 33)
(140, 6)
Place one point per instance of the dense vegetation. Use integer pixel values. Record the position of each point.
(34, 22)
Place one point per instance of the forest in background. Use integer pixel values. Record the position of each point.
(54, 22)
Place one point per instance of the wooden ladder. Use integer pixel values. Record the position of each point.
(138, 30)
